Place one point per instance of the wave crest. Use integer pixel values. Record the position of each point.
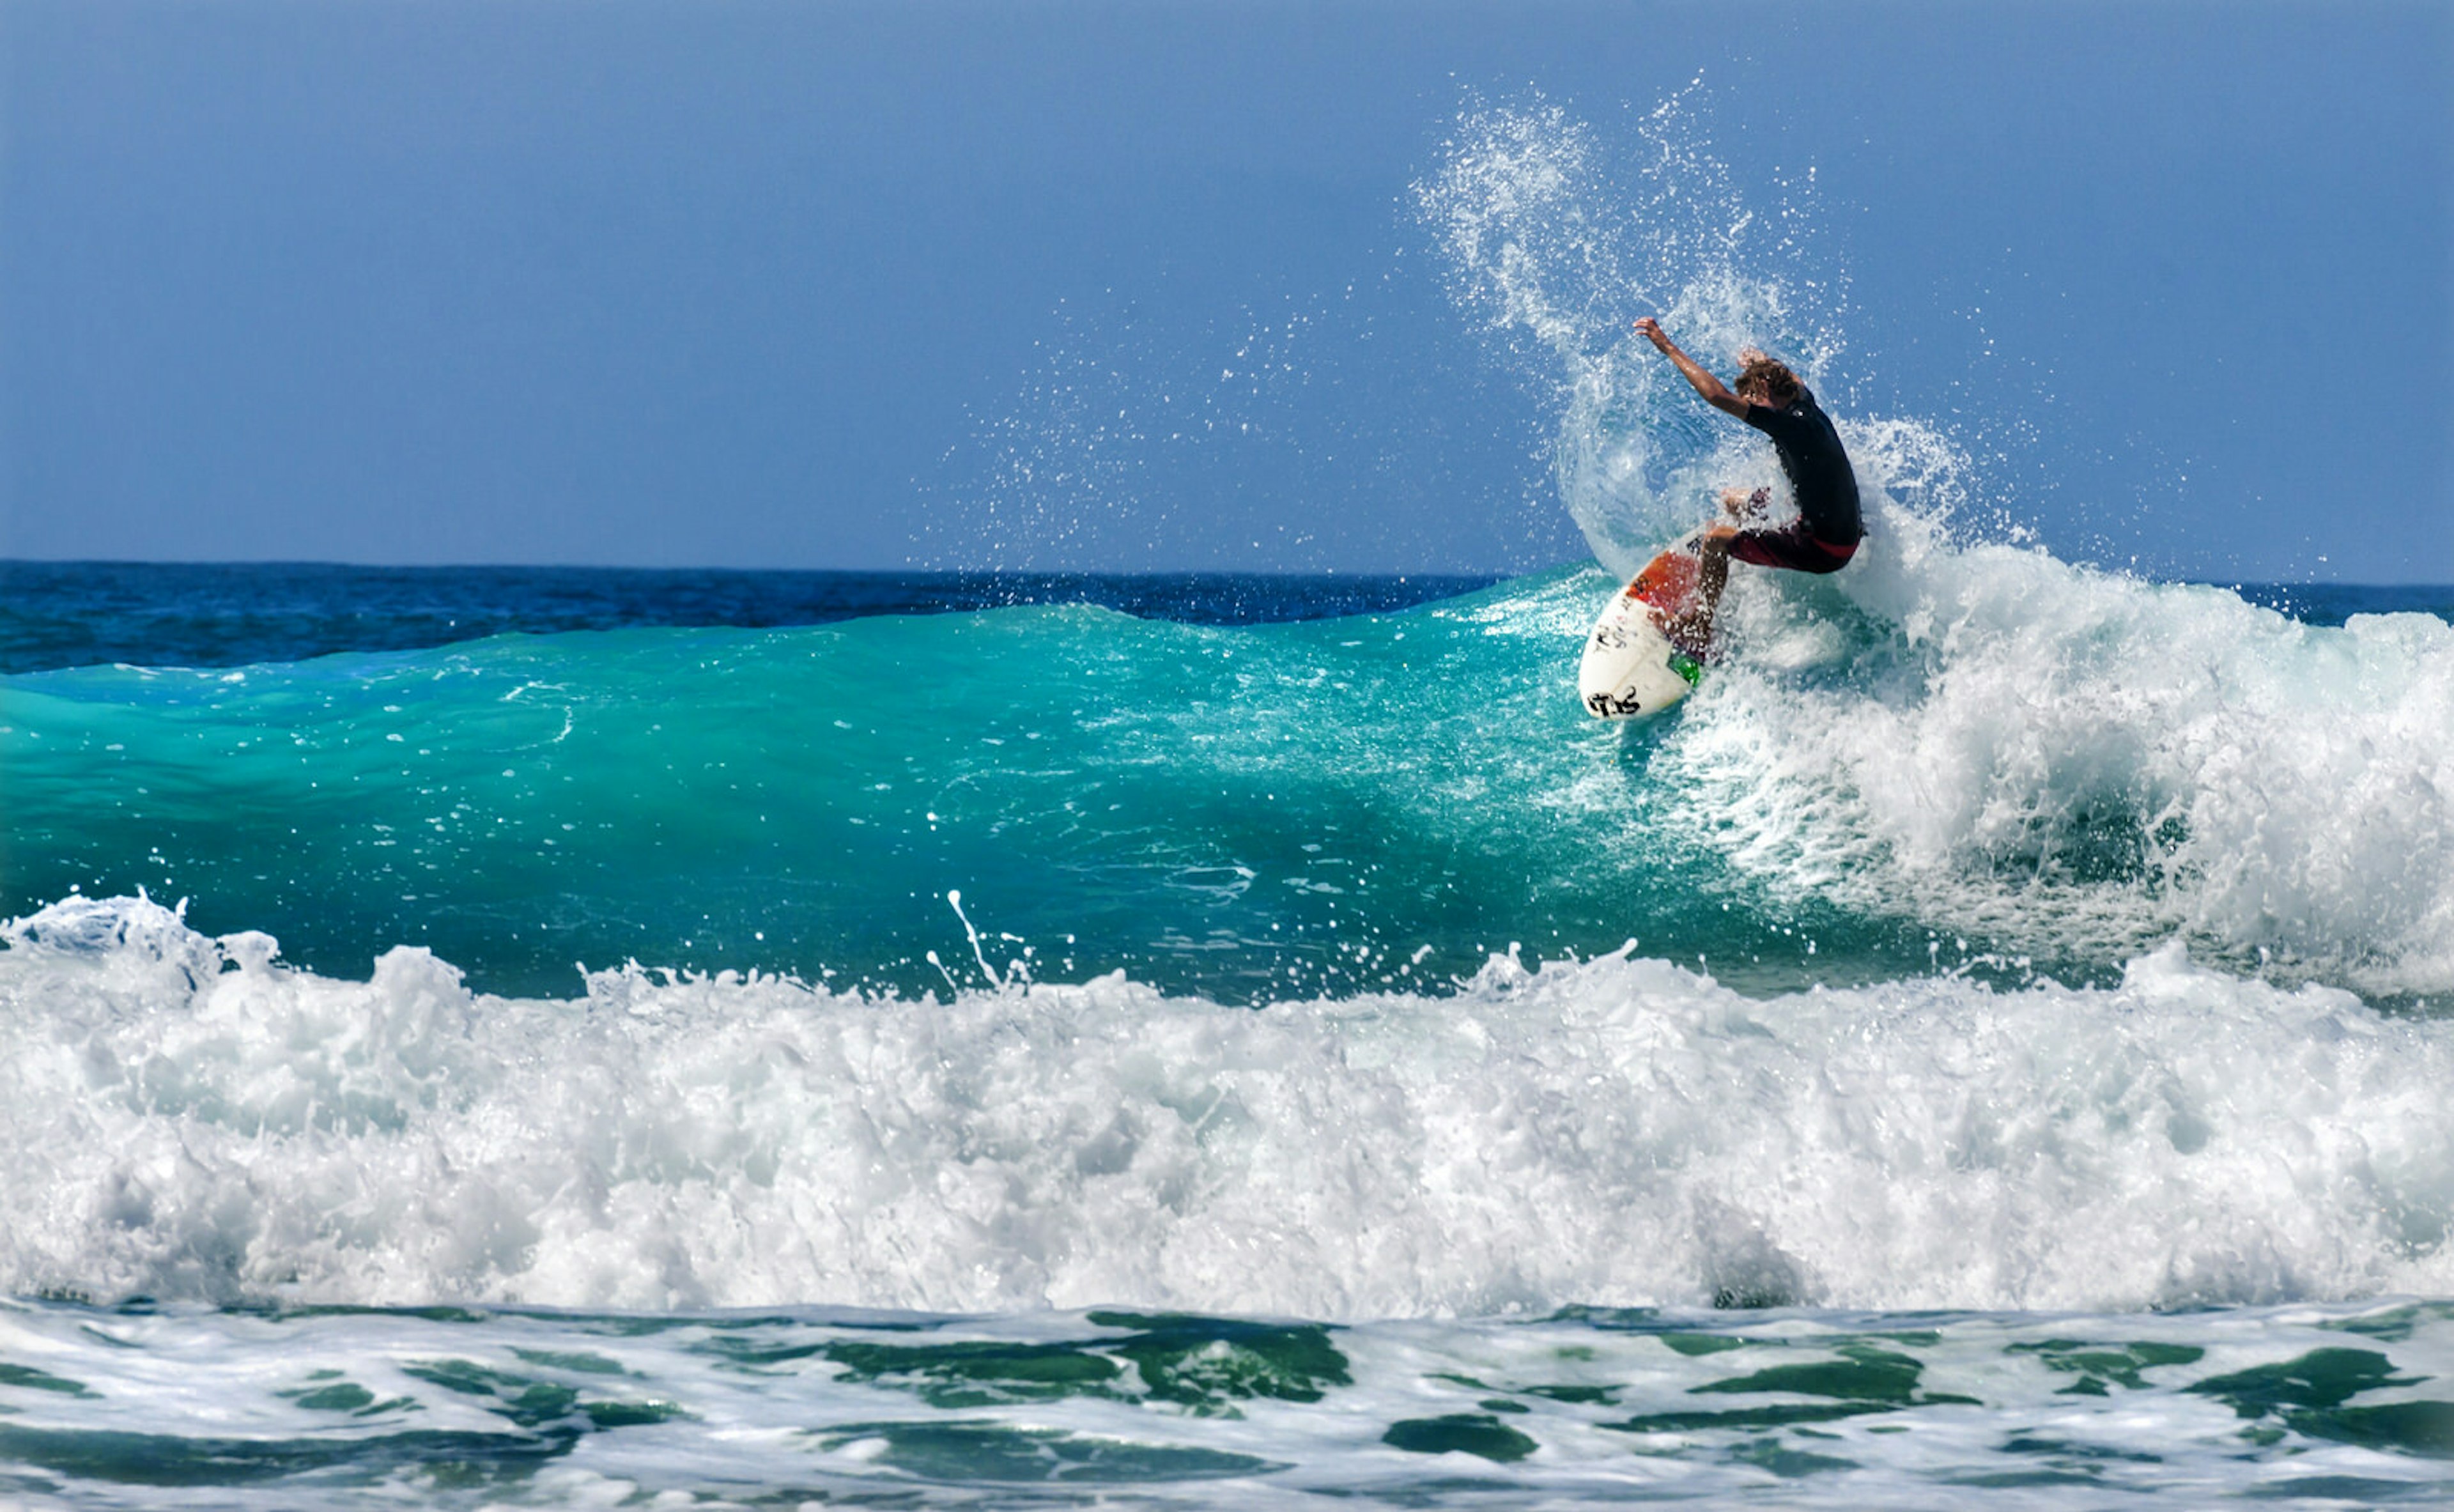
(1616, 1131)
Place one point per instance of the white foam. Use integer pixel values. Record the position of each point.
(1618, 1132)
(2072, 761)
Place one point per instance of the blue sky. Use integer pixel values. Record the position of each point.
(797, 284)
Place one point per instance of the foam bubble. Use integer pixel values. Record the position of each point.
(187, 1119)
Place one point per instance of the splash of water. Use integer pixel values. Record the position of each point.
(1557, 239)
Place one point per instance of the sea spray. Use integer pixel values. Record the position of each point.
(1554, 239)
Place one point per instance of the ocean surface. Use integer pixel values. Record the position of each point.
(991, 1047)
(507, 1036)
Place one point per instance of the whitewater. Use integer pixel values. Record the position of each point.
(1991, 1041)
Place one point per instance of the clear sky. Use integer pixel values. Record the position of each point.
(802, 285)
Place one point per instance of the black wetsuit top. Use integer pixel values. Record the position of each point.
(1818, 468)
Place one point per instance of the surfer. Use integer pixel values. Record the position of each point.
(1825, 534)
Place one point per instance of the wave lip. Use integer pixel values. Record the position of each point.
(187, 1119)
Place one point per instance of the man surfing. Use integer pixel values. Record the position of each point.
(1827, 529)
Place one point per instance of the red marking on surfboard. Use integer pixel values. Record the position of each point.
(1667, 582)
(1666, 587)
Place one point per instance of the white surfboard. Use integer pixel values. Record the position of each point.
(1631, 671)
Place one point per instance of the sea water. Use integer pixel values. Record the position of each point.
(494, 1038)
(1091, 1054)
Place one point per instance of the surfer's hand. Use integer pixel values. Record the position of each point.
(1650, 330)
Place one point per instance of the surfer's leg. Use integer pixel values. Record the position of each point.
(1692, 632)
(1791, 548)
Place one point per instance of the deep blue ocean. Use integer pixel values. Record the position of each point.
(519, 1037)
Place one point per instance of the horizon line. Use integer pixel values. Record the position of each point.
(1490, 575)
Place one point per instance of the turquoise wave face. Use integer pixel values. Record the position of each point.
(1976, 758)
(1245, 811)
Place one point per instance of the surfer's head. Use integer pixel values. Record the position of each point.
(1763, 380)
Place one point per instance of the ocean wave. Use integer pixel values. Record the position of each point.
(1954, 754)
(187, 1119)
(2075, 762)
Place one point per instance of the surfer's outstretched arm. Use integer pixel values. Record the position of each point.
(1714, 392)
